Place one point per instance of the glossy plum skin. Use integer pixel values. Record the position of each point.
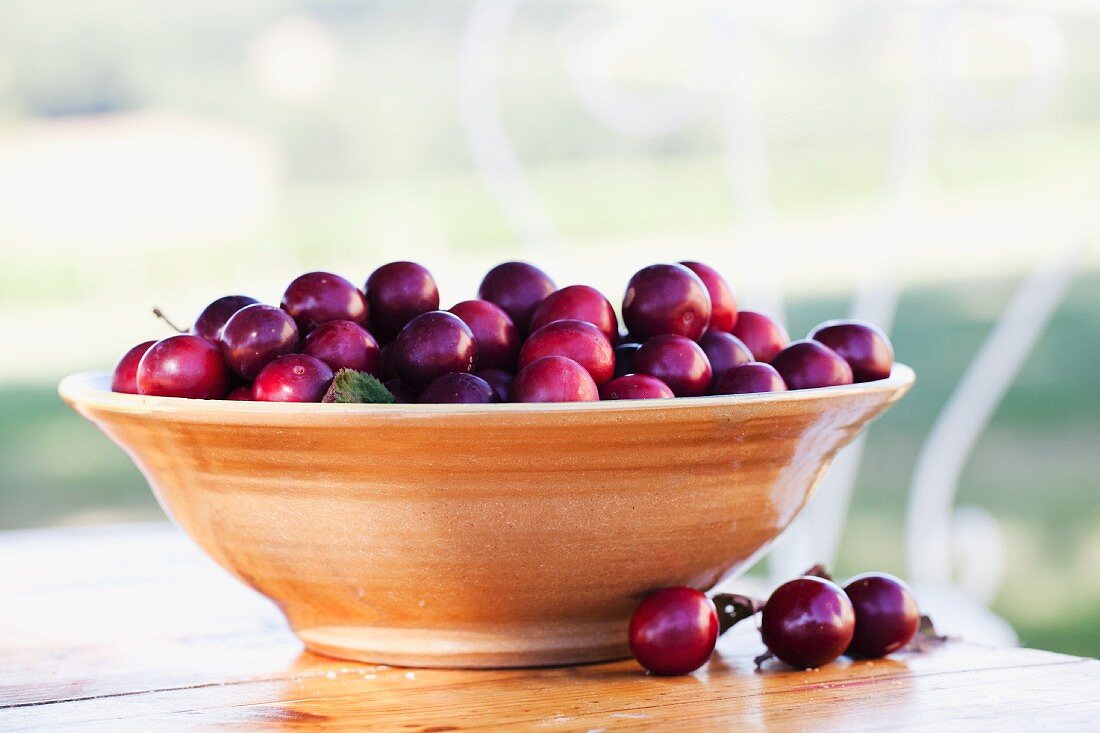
(864, 346)
(213, 317)
(750, 378)
(396, 293)
(724, 351)
(500, 380)
(459, 388)
(677, 361)
(344, 345)
(497, 337)
(578, 303)
(402, 393)
(292, 378)
(764, 337)
(635, 387)
(518, 288)
(887, 615)
(124, 378)
(807, 622)
(431, 345)
(808, 364)
(723, 301)
(183, 366)
(317, 297)
(624, 358)
(254, 336)
(554, 379)
(666, 299)
(577, 340)
(673, 631)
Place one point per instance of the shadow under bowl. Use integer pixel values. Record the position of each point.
(481, 535)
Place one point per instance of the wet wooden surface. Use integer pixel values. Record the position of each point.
(131, 628)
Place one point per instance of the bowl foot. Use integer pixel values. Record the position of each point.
(468, 649)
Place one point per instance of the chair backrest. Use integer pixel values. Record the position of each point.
(939, 538)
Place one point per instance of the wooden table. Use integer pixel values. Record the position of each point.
(130, 628)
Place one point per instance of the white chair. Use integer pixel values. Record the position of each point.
(955, 556)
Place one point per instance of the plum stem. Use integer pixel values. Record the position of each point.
(759, 661)
(160, 314)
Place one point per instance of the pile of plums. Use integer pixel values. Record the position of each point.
(806, 623)
(521, 340)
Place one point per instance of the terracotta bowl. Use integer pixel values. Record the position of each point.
(481, 536)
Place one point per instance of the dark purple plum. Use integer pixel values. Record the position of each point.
(388, 369)
(807, 622)
(887, 616)
(183, 366)
(213, 317)
(666, 300)
(863, 345)
(318, 297)
(497, 337)
(124, 378)
(401, 392)
(256, 335)
(554, 379)
(577, 303)
(242, 393)
(764, 337)
(755, 376)
(677, 361)
(500, 380)
(724, 351)
(635, 387)
(518, 288)
(674, 631)
(723, 302)
(344, 345)
(577, 340)
(808, 364)
(292, 378)
(459, 388)
(431, 345)
(396, 293)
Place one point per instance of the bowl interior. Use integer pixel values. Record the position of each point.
(94, 389)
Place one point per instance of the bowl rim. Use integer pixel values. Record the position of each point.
(92, 388)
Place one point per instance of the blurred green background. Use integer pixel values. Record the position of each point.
(155, 153)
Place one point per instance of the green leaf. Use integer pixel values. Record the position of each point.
(351, 386)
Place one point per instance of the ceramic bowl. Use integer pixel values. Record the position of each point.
(481, 535)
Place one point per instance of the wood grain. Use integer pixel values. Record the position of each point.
(482, 535)
(131, 629)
